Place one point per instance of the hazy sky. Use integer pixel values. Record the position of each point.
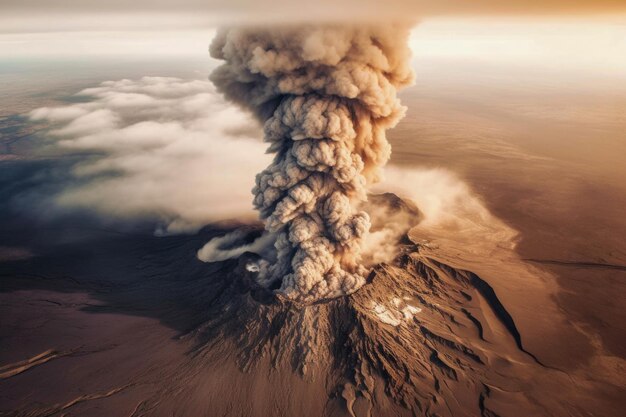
(566, 37)
(589, 45)
(295, 9)
(63, 15)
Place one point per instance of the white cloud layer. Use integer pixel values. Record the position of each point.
(163, 148)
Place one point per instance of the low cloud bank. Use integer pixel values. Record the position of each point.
(159, 148)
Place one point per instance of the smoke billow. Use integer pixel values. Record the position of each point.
(326, 96)
(232, 245)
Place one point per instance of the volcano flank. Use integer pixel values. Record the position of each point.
(141, 328)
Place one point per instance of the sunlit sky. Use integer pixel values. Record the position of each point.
(585, 37)
(578, 44)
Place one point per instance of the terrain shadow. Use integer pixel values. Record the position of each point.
(129, 273)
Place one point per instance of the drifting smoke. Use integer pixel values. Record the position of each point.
(448, 207)
(326, 96)
(232, 245)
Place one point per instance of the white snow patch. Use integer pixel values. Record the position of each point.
(403, 312)
(385, 315)
(409, 311)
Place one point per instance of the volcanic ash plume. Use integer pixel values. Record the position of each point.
(326, 96)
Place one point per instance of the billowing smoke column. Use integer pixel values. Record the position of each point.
(326, 96)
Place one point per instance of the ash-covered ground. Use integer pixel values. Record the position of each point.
(105, 323)
(103, 318)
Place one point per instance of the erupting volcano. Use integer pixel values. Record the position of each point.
(325, 96)
(360, 290)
